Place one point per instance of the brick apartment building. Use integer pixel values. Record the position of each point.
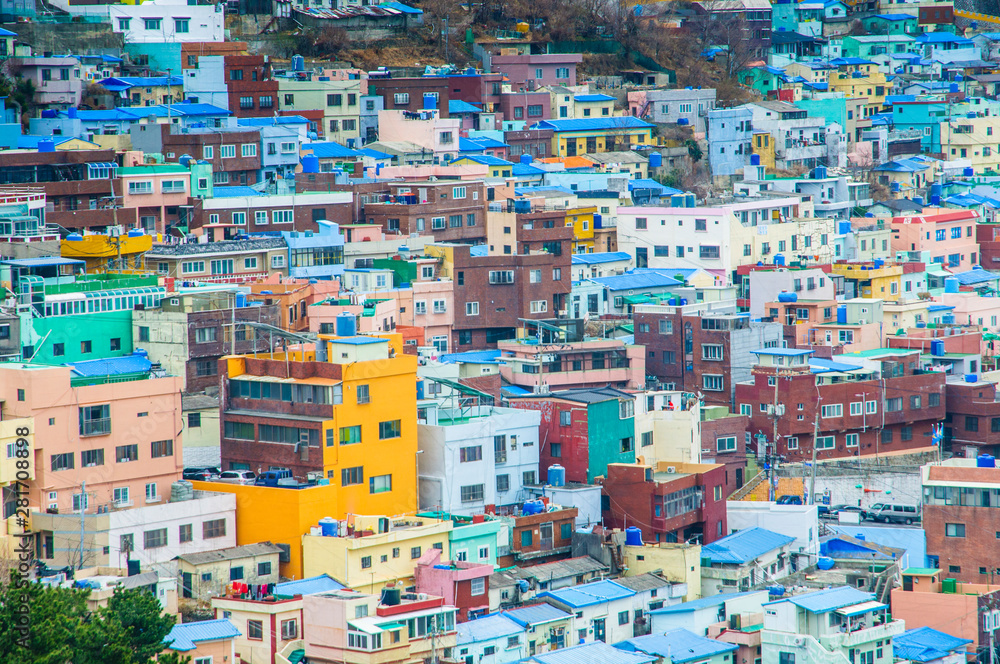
(704, 348)
(78, 185)
(498, 291)
(889, 407)
(407, 94)
(233, 153)
(188, 334)
(450, 211)
(535, 142)
(724, 441)
(961, 519)
(230, 216)
(252, 91)
(673, 502)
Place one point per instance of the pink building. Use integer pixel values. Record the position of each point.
(464, 585)
(949, 236)
(529, 72)
(379, 313)
(58, 80)
(121, 438)
(528, 106)
(424, 128)
(156, 190)
(574, 365)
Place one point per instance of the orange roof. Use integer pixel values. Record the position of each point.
(568, 162)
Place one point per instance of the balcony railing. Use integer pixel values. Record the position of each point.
(100, 427)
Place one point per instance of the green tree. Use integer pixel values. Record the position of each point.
(694, 150)
(129, 630)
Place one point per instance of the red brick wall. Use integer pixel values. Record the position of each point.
(573, 440)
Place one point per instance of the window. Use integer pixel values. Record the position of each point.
(539, 306)
(502, 276)
(90, 458)
(248, 150)
(934, 399)
(94, 420)
(151, 495)
(214, 528)
(786, 658)
(711, 351)
(152, 23)
(826, 442)
(894, 405)
(727, 444)
(414, 553)
(391, 429)
(154, 539)
(208, 152)
(471, 308)
(471, 453)
(971, 423)
(352, 476)
(380, 484)
(228, 151)
(366, 562)
(186, 534)
(362, 394)
(712, 383)
(163, 448)
(138, 188)
(833, 410)
(205, 334)
(124, 24)
(255, 630)
(627, 444)
(472, 493)
(182, 25)
(477, 587)
(503, 483)
(954, 530)
(851, 440)
(289, 628)
(401, 98)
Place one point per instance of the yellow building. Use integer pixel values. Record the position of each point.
(679, 563)
(498, 168)
(103, 252)
(389, 553)
(588, 135)
(762, 144)
(582, 221)
(593, 106)
(860, 80)
(17, 463)
(882, 282)
(972, 139)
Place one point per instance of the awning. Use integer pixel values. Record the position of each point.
(858, 609)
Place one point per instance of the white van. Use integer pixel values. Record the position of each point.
(894, 513)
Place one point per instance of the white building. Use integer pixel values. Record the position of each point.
(164, 21)
(477, 456)
(798, 521)
(604, 609)
(206, 83)
(493, 639)
(667, 427)
(699, 614)
(765, 285)
(744, 560)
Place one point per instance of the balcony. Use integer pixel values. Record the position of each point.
(98, 427)
(862, 637)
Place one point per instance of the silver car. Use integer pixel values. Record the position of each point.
(237, 477)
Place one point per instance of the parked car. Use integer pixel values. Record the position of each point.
(790, 500)
(836, 510)
(823, 511)
(202, 473)
(237, 477)
(894, 513)
(273, 477)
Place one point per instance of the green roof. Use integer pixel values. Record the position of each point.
(881, 352)
(297, 656)
(152, 169)
(921, 571)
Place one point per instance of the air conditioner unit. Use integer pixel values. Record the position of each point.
(671, 469)
(799, 641)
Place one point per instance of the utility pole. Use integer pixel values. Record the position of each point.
(774, 438)
(446, 59)
(812, 479)
(83, 511)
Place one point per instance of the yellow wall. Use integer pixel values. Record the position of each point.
(882, 280)
(680, 563)
(582, 221)
(762, 144)
(633, 136)
(341, 557)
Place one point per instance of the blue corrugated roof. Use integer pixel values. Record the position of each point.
(268, 122)
(637, 280)
(330, 150)
(913, 540)
(589, 98)
(593, 124)
(822, 365)
(744, 545)
(707, 602)
(406, 9)
(838, 62)
(785, 352)
(110, 115)
(358, 341)
(895, 17)
(536, 614)
(646, 183)
(487, 628)
(459, 106)
(940, 307)
(7, 33)
(525, 170)
(942, 38)
(925, 644)
(475, 356)
(311, 586)
(119, 83)
(597, 652)
(596, 592)
(186, 636)
(600, 257)
(488, 160)
(375, 154)
(234, 191)
(830, 599)
(185, 109)
(112, 366)
(974, 276)
(514, 391)
(677, 646)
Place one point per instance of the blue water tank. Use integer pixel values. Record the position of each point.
(869, 215)
(968, 172)
(677, 200)
(135, 232)
(986, 461)
(951, 285)
(690, 200)
(894, 186)
(328, 526)
(921, 325)
(683, 122)
(298, 63)
(825, 563)
(633, 536)
(936, 189)
(948, 319)
(937, 347)
(532, 507)
(557, 475)
(71, 113)
(755, 160)
(684, 301)
(779, 259)
(971, 378)
(819, 173)
(598, 221)
(241, 300)
(523, 585)
(919, 200)
(953, 87)
(49, 114)
(74, 237)
(785, 296)
(526, 159)
(655, 160)
(842, 314)
(46, 145)
(420, 390)
(878, 263)
(775, 591)
(430, 101)
(310, 164)
(935, 200)
(843, 227)
(970, 114)
(522, 206)
(347, 324)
